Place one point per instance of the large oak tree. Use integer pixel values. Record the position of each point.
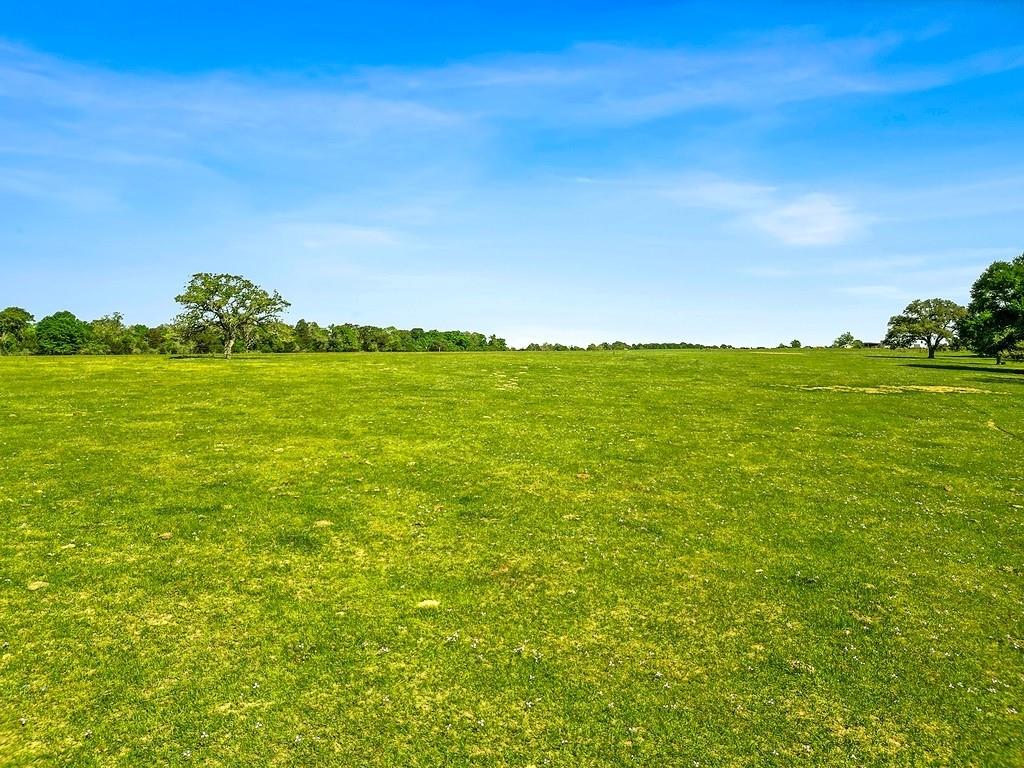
(931, 322)
(230, 305)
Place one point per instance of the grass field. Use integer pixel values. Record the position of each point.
(660, 559)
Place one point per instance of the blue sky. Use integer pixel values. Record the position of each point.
(596, 171)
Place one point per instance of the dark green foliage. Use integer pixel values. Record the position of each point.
(15, 328)
(110, 336)
(61, 334)
(310, 337)
(994, 324)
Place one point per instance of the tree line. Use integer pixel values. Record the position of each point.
(991, 325)
(220, 312)
(223, 312)
(619, 345)
(64, 334)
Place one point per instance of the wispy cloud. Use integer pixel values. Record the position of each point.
(153, 115)
(815, 219)
(808, 219)
(609, 83)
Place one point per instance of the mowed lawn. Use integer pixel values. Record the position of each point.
(642, 558)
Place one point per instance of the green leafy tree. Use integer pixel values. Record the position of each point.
(15, 324)
(277, 337)
(109, 335)
(795, 344)
(994, 323)
(846, 341)
(931, 322)
(61, 334)
(230, 305)
(310, 337)
(344, 338)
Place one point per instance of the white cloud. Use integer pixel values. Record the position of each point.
(588, 83)
(814, 219)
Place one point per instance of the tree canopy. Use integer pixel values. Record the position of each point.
(15, 324)
(847, 340)
(932, 322)
(231, 305)
(994, 323)
(61, 334)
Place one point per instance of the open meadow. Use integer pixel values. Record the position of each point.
(671, 558)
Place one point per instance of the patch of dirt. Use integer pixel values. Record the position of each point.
(887, 389)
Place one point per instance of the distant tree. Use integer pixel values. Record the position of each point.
(230, 305)
(795, 344)
(994, 322)
(277, 336)
(15, 323)
(344, 338)
(843, 341)
(372, 338)
(931, 322)
(109, 335)
(61, 334)
(310, 337)
(847, 341)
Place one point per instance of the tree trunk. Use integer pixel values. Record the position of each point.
(931, 352)
(228, 344)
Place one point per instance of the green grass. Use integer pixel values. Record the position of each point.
(660, 559)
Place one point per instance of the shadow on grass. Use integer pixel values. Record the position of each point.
(999, 379)
(983, 368)
(922, 356)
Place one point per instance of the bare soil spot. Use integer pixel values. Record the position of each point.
(891, 389)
